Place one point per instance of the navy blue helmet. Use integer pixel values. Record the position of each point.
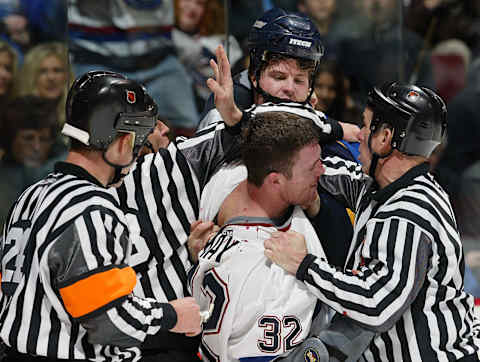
(290, 34)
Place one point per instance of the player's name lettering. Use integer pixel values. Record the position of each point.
(218, 245)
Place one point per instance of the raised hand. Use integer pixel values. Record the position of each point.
(222, 88)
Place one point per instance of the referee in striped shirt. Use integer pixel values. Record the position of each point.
(66, 291)
(403, 278)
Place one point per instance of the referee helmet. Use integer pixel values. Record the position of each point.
(417, 115)
(101, 104)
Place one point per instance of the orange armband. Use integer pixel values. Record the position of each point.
(97, 290)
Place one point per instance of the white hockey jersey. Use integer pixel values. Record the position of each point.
(259, 309)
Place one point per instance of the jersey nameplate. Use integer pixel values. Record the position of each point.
(218, 245)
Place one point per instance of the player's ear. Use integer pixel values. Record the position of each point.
(126, 141)
(273, 179)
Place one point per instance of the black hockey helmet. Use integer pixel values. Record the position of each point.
(290, 34)
(100, 104)
(417, 115)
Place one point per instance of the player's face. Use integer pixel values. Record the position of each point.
(301, 187)
(365, 156)
(31, 147)
(190, 14)
(285, 80)
(6, 72)
(52, 78)
(325, 91)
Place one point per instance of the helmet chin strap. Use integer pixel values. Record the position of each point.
(375, 157)
(118, 175)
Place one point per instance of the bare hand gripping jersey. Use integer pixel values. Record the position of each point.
(253, 315)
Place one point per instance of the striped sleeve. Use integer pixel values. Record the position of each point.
(394, 258)
(344, 180)
(161, 199)
(88, 261)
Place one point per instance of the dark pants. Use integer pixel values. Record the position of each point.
(171, 347)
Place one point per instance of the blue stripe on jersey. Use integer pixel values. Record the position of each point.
(257, 359)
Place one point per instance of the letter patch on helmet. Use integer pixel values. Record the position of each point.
(131, 97)
(302, 43)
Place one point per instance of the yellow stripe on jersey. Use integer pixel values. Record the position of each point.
(95, 291)
(351, 215)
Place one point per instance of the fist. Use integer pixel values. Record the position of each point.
(188, 316)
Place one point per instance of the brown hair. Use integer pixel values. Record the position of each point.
(27, 112)
(271, 142)
(212, 22)
(12, 89)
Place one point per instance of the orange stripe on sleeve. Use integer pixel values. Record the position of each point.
(351, 216)
(97, 290)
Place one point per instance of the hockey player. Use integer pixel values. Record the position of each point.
(285, 50)
(258, 310)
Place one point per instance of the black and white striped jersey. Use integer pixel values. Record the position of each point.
(404, 273)
(160, 197)
(65, 254)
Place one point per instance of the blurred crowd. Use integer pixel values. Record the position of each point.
(167, 45)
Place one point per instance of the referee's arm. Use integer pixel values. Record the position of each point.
(95, 284)
(393, 268)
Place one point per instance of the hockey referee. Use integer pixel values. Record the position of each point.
(403, 277)
(66, 280)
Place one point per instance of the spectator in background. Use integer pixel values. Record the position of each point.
(46, 73)
(376, 49)
(325, 16)
(243, 14)
(450, 60)
(29, 22)
(28, 134)
(332, 94)
(133, 37)
(8, 72)
(15, 28)
(199, 29)
(439, 20)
